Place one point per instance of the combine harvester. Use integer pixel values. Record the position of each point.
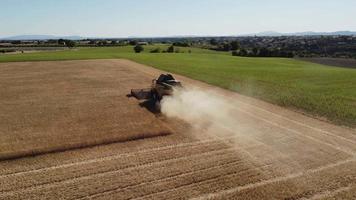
(162, 86)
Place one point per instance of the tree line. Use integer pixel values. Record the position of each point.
(170, 49)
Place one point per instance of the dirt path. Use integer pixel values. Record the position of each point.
(265, 152)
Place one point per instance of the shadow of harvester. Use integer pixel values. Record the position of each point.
(146, 100)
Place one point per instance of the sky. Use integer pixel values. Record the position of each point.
(147, 18)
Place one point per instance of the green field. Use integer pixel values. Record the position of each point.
(323, 91)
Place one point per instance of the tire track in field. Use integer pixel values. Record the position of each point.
(274, 180)
(170, 178)
(346, 193)
(287, 119)
(326, 194)
(314, 136)
(121, 160)
(270, 149)
(113, 157)
(346, 151)
(234, 173)
(180, 179)
(214, 165)
(97, 175)
(255, 159)
(190, 172)
(37, 178)
(291, 165)
(302, 124)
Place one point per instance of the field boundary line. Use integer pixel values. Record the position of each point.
(274, 180)
(71, 180)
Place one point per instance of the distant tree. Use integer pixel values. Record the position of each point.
(250, 54)
(181, 44)
(279, 53)
(16, 42)
(138, 48)
(52, 41)
(235, 45)
(7, 50)
(123, 43)
(114, 42)
(226, 47)
(235, 53)
(290, 54)
(264, 52)
(61, 42)
(133, 42)
(103, 43)
(70, 43)
(92, 42)
(255, 51)
(213, 41)
(243, 52)
(170, 49)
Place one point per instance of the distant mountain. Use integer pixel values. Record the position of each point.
(41, 37)
(268, 33)
(265, 33)
(307, 33)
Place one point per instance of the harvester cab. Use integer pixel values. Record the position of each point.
(160, 87)
(163, 86)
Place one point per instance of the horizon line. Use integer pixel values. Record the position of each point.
(263, 33)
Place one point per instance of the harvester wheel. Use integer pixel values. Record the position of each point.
(154, 96)
(156, 101)
(158, 106)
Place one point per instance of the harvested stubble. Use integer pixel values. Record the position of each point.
(103, 165)
(57, 106)
(125, 177)
(310, 184)
(267, 152)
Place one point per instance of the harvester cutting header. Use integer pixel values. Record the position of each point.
(160, 87)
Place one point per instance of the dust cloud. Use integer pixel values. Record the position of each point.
(202, 109)
(212, 116)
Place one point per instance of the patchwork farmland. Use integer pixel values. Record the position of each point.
(73, 133)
